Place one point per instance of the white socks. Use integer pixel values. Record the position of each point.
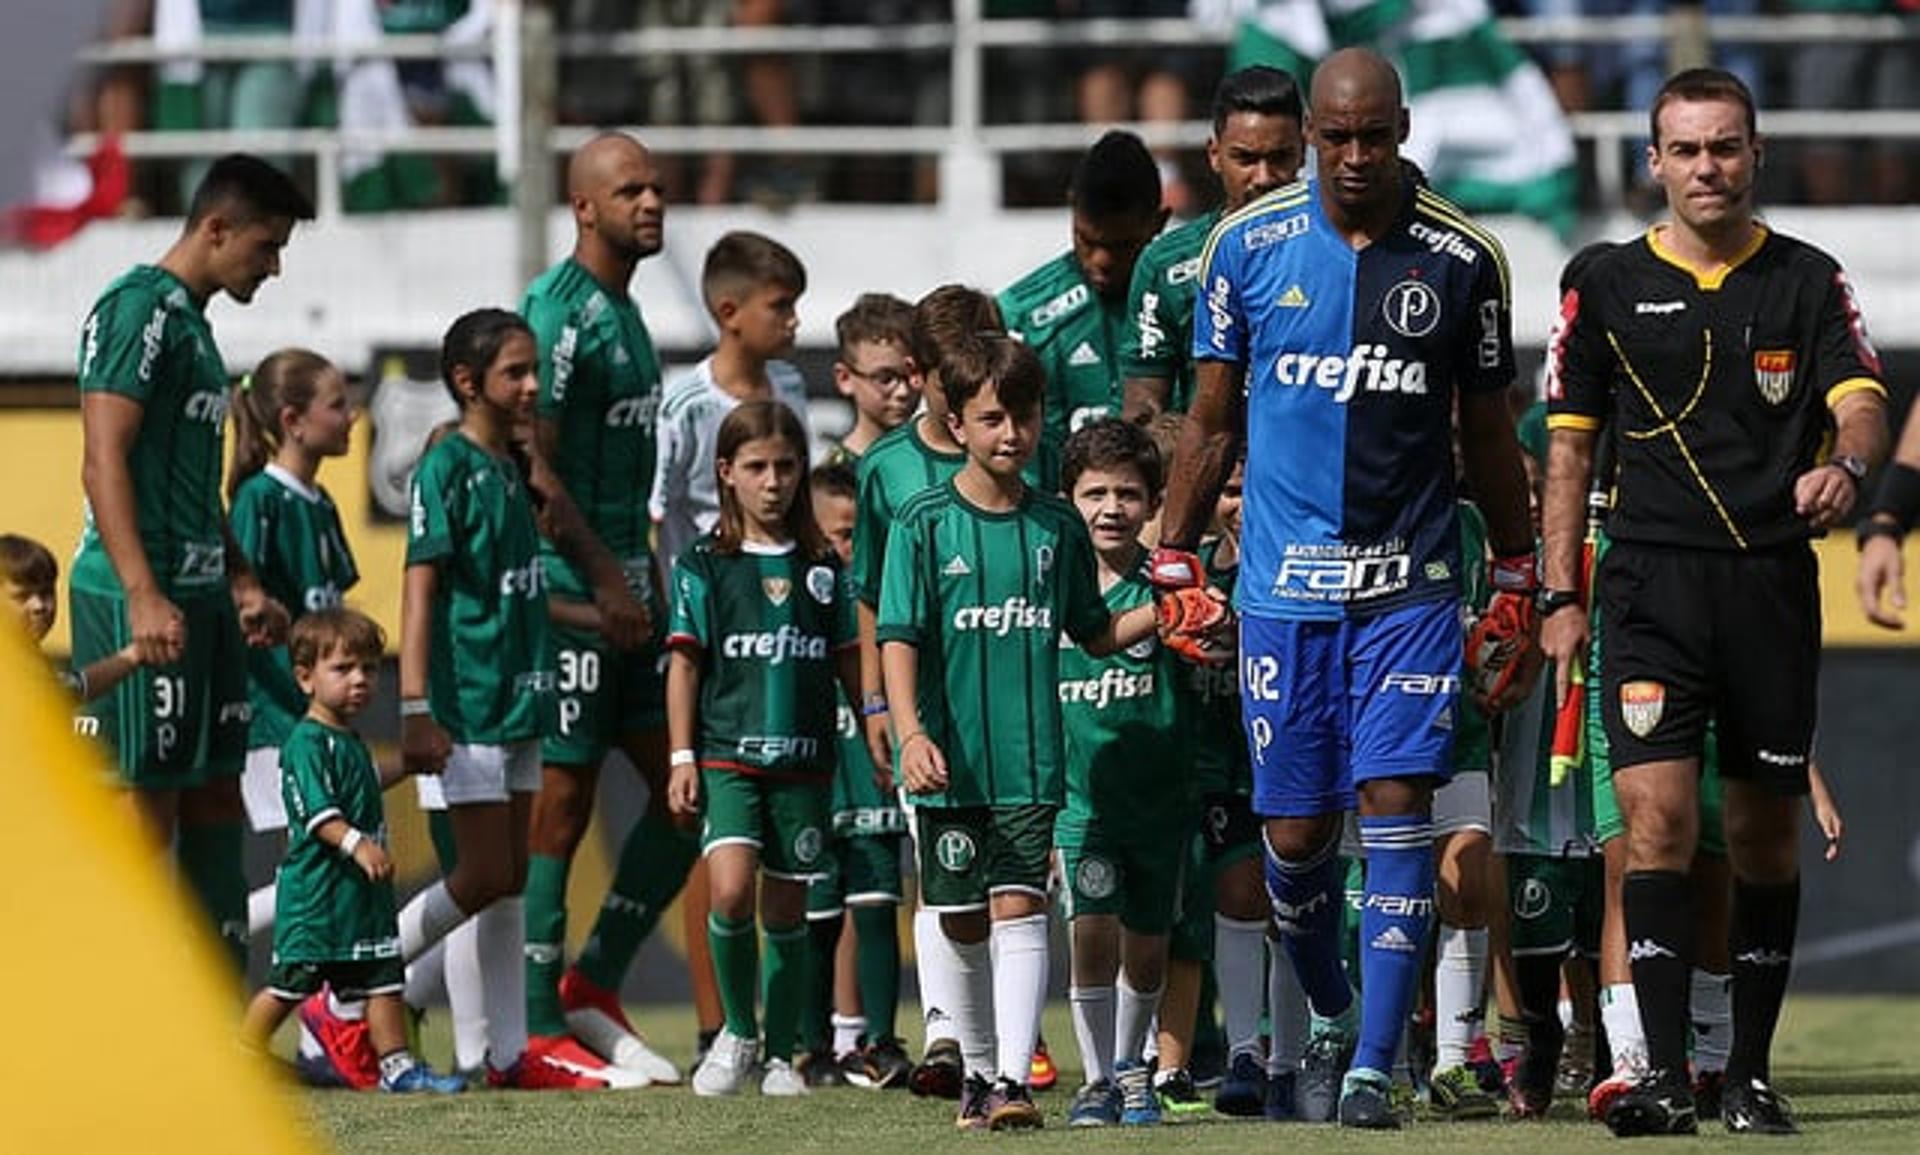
(260, 905)
(426, 920)
(1291, 1018)
(453, 965)
(1458, 991)
(971, 1003)
(1239, 953)
(1019, 990)
(1136, 1014)
(1712, 1014)
(847, 1030)
(1620, 1015)
(935, 964)
(501, 933)
(1093, 1028)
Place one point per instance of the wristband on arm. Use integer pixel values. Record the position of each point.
(1899, 496)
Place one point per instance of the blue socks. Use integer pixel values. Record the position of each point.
(1393, 930)
(1306, 900)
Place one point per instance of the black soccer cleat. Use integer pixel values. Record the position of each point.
(1658, 1103)
(1753, 1108)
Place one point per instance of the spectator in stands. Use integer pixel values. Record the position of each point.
(239, 95)
(1855, 74)
(1150, 85)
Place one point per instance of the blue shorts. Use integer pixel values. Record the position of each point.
(1330, 704)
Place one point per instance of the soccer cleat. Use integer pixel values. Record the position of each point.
(782, 1081)
(1281, 1105)
(1753, 1108)
(566, 1053)
(1488, 1070)
(726, 1068)
(532, 1072)
(1367, 1101)
(820, 1069)
(345, 1042)
(1095, 1105)
(1455, 1093)
(1317, 1091)
(597, 1019)
(1658, 1103)
(1535, 1077)
(1041, 1073)
(1010, 1107)
(885, 1064)
(1526, 1101)
(1178, 1095)
(1708, 1091)
(1626, 1070)
(422, 1079)
(941, 1073)
(975, 1091)
(1139, 1106)
(1244, 1091)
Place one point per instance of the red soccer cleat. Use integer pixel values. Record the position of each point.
(1041, 1073)
(345, 1042)
(597, 1019)
(552, 1063)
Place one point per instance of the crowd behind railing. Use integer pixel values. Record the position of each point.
(161, 68)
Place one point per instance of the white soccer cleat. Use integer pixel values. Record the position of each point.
(781, 1080)
(726, 1068)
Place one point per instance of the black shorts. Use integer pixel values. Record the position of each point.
(1699, 634)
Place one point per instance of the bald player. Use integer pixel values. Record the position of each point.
(599, 391)
(1349, 313)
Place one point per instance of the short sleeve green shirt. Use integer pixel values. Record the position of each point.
(895, 469)
(326, 908)
(1160, 310)
(1077, 335)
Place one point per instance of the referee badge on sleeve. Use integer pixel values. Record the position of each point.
(1773, 374)
(1641, 704)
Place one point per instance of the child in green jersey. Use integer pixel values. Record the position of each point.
(1131, 806)
(982, 576)
(28, 577)
(337, 923)
(289, 414)
(761, 626)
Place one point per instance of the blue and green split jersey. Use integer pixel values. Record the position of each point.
(147, 340)
(983, 597)
(327, 909)
(600, 383)
(1077, 334)
(769, 625)
(487, 680)
(894, 470)
(291, 536)
(1160, 301)
(1221, 764)
(1127, 722)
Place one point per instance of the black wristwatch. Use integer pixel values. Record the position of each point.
(1855, 468)
(1549, 602)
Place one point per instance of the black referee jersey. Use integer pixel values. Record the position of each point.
(1720, 386)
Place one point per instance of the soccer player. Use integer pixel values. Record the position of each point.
(1339, 320)
(1255, 148)
(983, 574)
(918, 456)
(762, 625)
(875, 370)
(1072, 311)
(1723, 355)
(336, 923)
(29, 580)
(1130, 804)
(594, 424)
(751, 285)
(157, 566)
(289, 414)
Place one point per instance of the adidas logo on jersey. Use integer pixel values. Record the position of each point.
(1016, 613)
(1113, 685)
(1367, 369)
(1083, 354)
(956, 567)
(1393, 939)
(1294, 298)
(1646, 948)
(775, 647)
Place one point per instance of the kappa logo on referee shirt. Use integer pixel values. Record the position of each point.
(1641, 704)
(1773, 374)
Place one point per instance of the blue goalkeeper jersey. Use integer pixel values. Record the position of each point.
(1352, 359)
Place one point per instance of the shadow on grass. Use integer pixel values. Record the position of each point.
(1845, 1082)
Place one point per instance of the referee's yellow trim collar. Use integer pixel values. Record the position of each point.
(1710, 280)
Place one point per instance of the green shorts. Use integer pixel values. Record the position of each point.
(969, 853)
(292, 981)
(1191, 939)
(863, 870)
(170, 727)
(1556, 903)
(605, 695)
(783, 819)
(1135, 874)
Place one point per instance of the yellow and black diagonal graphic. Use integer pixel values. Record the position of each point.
(1670, 426)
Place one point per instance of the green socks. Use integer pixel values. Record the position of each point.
(210, 862)
(653, 866)
(734, 948)
(877, 963)
(546, 896)
(784, 979)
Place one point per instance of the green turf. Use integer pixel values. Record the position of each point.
(1851, 1067)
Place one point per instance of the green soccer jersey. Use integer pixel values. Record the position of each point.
(147, 340)
(290, 533)
(894, 470)
(859, 804)
(1532, 816)
(600, 383)
(768, 624)
(1473, 739)
(486, 676)
(326, 909)
(983, 597)
(1219, 752)
(1160, 304)
(1126, 721)
(1077, 334)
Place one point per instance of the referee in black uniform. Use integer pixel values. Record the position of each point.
(1746, 406)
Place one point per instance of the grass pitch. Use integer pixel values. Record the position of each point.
(1850, 1065)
